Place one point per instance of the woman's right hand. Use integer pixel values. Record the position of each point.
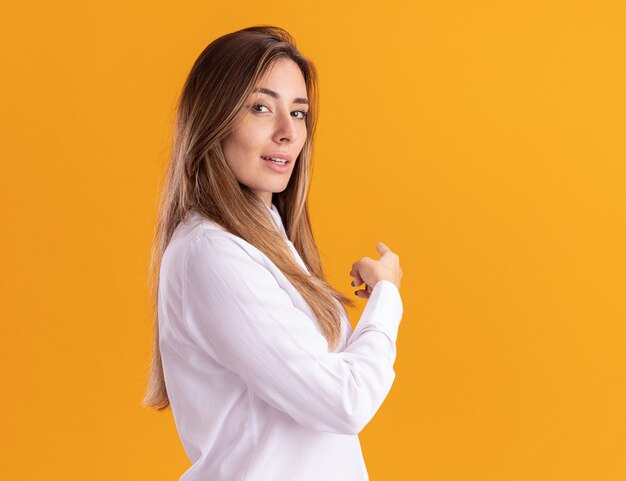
(369, 271)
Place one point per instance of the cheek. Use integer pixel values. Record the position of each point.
(249, 140)
(303, 137)
(235, 148)
(228, 149)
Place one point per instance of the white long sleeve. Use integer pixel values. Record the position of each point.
(243, 352)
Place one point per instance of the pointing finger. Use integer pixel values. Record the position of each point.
(382, 248)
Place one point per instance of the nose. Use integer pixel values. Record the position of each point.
(285, 129)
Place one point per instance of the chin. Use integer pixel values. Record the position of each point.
(279, 189)
(278, 186)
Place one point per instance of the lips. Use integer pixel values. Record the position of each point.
(280, 165)
(277, 155)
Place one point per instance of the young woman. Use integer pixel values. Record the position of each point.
(253, 349)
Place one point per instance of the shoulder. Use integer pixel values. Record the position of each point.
(218, 265)
(201, 251)
(198, 236)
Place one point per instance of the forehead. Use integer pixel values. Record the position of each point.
(284, 75)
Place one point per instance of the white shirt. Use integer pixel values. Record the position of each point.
(255, 393)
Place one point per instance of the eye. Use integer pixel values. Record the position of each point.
(303, 112)
(300, 114)
(254, 107)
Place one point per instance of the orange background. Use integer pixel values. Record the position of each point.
(482, 141)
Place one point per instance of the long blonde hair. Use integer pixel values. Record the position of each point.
(198, 177)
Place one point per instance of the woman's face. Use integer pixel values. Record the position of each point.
(273, 125)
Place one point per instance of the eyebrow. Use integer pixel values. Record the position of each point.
(271, 93)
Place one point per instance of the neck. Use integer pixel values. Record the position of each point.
(266, 198)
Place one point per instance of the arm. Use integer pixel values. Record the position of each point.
(238, 313)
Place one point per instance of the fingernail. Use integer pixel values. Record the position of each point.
(352, 283)
(355, 293)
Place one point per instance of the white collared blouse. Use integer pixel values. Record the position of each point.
(255, 393)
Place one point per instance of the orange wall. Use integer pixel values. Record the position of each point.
(482, 141)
